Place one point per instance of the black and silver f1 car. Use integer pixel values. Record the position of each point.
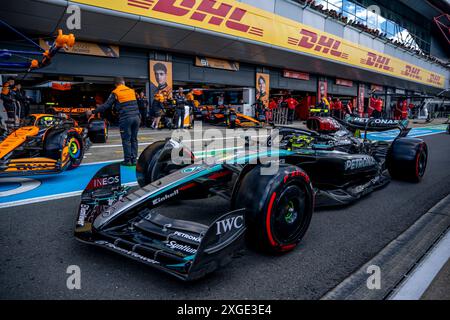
(324, 166)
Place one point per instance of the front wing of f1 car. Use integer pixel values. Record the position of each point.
(128, 224)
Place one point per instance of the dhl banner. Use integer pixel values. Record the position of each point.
(87, 48)
(245, 21)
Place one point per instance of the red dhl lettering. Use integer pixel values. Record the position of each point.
(377, 61)
(412, 72)
(324, 44)
(212, 11)
(434, 79)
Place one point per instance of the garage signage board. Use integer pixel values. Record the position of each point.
(88, 49)
(216, 63)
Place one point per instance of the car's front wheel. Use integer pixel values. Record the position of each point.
(278, 207)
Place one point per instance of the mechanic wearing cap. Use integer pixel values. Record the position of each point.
(124, 99)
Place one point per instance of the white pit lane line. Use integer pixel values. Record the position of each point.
(149, 143)
(26, 184)
(421, 277)
(50, 198)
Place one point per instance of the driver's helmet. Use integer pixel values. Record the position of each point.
(48, 121)
(300, 141)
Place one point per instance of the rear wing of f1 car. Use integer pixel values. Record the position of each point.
(128, 223)
(353, 123)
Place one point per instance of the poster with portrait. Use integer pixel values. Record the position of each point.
(322, 90)
(161, 80)
(263, 88)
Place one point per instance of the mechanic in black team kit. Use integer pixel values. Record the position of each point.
(124, 99)
(181, 101)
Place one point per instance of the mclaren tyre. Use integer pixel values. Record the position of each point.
(64, 146)
(98, 131)
(278, 207)
(407, 159)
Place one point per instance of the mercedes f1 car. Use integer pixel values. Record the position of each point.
(324, 166)
(43, 144)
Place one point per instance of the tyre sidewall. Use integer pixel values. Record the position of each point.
(260, 194)
(403, 156)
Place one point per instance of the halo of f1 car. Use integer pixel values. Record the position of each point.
(324, 166)
(46, 143)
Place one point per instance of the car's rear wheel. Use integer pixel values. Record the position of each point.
(98, 131)
(278, 207)
(407, 159)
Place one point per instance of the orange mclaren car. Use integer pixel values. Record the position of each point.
(228, 116)
(43, 144)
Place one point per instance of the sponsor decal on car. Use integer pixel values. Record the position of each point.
(187, 236)
(226, 225)
(359, 163)
(103, 182)
(376, 121)
(127, 252)
(165, 197)
(182, 247)
(83, 213)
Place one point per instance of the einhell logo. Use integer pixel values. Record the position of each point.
(434, 79)
(311, 40)
(212, 11)
(412, 72)
(377, 61)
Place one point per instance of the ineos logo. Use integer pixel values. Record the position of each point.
(223, 226)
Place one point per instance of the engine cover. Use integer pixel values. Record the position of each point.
(323, 125)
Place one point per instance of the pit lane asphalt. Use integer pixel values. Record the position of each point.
(37, 246)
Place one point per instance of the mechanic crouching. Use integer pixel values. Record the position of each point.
(124, 100)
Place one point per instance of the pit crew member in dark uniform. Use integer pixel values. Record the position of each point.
(124, 99)
(180, 100)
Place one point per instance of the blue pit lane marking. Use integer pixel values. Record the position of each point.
(7, 186)
(415, 132)
(67, 183)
